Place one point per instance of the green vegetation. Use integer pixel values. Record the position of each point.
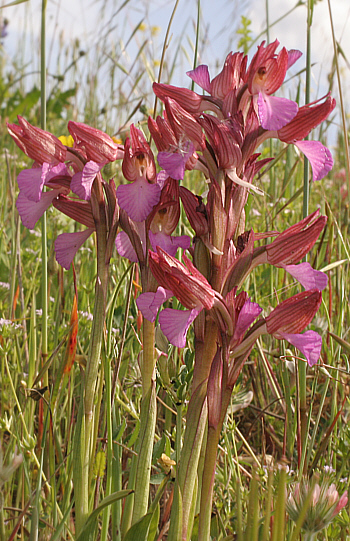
(261, 454)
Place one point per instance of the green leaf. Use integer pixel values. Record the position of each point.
(153, 527)
(130, 442)
(119, 431)
(57, 534)
(88, 532)
(139, 530)
(14, 3)
(333, 265)
(157, 478)
(345, 345)
(158, 448)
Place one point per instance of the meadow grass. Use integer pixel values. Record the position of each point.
(258, 454)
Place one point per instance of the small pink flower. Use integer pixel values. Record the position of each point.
(266, 74)
(139, 197)
(325, 504)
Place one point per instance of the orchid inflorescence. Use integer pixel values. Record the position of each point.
(218, 133)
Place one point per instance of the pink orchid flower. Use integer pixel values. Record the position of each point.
(139, 197)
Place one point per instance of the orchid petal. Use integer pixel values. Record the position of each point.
(293, 56)
(149, 303)
(81, 183)
(31, 182)
(274, 113)
(56, 170)
(31, 211)
(318, 155)
(175, 324)
(125, 248)
(309, 344)
(67, 245)
(308, 277)
(173, 163)
(138, 198)
(200, 75)
(162, 176)
(169, 244)
(248, 313)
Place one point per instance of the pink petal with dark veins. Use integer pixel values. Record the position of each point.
(175, 324)
(308, 277)
(274, 113)
(138, 198)
(200, 75)
(67, 245)
(309, 344)
(319, 156)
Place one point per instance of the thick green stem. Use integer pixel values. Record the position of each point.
(209, 469)
(148, 357)
(147, 423)
(83, 444)
(145, 449)
(195, 427)
(208, 483)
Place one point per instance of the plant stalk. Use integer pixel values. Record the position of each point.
(147, 423)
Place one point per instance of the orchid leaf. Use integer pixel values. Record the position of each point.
(345, 345)
(88, 532)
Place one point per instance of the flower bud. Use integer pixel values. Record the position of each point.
(99, 146)
(37, 144)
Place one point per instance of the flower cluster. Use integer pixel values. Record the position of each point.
(323, 502)
(218, 133)
(66, 172)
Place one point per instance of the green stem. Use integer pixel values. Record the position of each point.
(147, 423)
(165, 47)
(148, 357)
(342, 107)
(301, 364)
(83, 448)
(196, 420)
(197, 39)
(208, 483)
(2, 520)
(44, 280)
(145, 449)
(109, 479)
